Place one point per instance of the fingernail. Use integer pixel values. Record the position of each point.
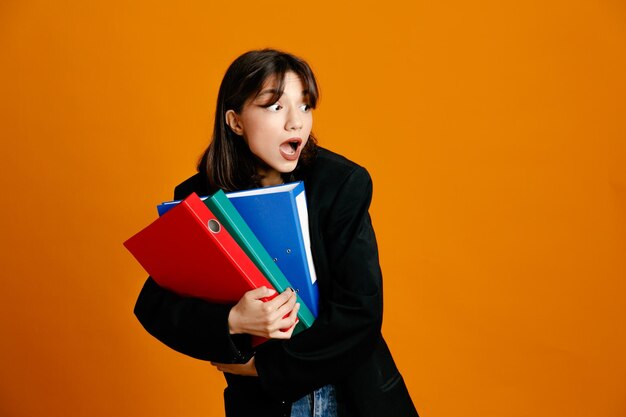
(271, 291)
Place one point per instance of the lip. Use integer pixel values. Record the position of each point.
(288, 155)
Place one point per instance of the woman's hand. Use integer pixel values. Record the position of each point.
(245, 369)
(267, 319)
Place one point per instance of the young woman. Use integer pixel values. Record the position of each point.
(340, 366)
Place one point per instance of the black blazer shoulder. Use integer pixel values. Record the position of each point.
(198, 184)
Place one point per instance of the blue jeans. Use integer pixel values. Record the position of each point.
(320, 403)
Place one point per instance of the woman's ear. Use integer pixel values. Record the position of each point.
(233, 120)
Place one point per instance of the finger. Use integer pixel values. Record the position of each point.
(281, 299)
(275, 311)
(287, 325)
(294, 312)
(261, 292)
(224, 368)
(286, 308)
(293, 316)
(218, 366)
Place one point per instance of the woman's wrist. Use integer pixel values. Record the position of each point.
(233, 327)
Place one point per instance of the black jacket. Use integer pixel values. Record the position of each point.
(343, 347)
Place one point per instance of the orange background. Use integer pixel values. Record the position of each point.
(495, 134)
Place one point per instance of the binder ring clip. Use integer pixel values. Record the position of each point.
(214, 226)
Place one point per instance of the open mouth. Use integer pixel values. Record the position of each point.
(290, 148)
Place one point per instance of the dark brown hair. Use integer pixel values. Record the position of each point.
(228, 162)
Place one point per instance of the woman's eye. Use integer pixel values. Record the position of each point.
(305, 107)
(274, 107)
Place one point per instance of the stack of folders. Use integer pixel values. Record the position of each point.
(221, 246)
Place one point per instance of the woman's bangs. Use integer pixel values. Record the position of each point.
(310, 86)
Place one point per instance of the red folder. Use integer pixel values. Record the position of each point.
(189, 252)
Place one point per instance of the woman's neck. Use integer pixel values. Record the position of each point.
(270, 178)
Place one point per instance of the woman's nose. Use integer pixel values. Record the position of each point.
(294, 120)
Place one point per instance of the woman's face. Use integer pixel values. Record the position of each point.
(277, 131)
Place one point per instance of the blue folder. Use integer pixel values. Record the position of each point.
(167, 206)
(278, 217)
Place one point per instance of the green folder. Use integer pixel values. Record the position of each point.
(226, 213)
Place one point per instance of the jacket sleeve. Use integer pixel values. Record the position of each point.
(190, 325)
(348, 326)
